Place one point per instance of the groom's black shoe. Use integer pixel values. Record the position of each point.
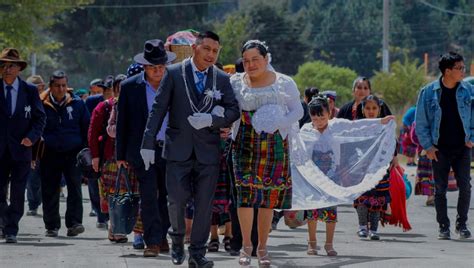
(177, 253)
(199, 261)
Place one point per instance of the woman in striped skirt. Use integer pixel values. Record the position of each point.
(270, 105)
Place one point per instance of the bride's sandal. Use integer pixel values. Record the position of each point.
(244, 258)
(312, 248)
(263, 258)
(330, 250)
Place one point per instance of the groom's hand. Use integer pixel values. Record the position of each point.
(148, 157)
(200, 120)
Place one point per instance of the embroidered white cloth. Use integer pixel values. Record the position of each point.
(360, 152)
(280, 104)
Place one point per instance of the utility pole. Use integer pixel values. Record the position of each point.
(33, 63)
(386, 26)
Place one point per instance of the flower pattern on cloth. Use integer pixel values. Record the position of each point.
(283, 93)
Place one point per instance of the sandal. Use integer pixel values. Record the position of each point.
(244, 258)
(120, 238)
(226, 242)
(213, 245)
(111, 235)
(263, 260)
(330, 250)
(312, 248)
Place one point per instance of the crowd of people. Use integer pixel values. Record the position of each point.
(205, 150)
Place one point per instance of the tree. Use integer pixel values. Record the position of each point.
(233, 33)
(400, 87)
(326, 77)
(23, 22)
(282, 31)
(102, 41)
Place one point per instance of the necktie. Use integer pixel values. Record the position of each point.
(9, 99)
(200, 82)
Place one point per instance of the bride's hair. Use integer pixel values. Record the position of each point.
(259, 45)
(318, 105)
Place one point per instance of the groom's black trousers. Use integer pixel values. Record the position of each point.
(186, 180)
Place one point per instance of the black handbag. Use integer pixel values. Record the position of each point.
(84, 163)
(123, 208)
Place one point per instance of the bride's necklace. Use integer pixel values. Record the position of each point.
(208, 98)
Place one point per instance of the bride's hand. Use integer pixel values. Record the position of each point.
(387, 119)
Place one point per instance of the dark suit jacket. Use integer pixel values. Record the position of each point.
(132, 114)
(181, 138)
(22, 124)
(93, 101)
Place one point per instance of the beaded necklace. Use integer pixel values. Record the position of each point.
(208, 98)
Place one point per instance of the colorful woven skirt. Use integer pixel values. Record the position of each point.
(221, 202)
(107, 187)
(424, 177)
(376, 199)
(328, 214)
(409, 149)
(261, 168)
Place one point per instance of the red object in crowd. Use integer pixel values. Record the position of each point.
(99, 119)
(398, 199)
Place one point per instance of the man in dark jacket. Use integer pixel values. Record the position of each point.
(136, 98)
(23, 119)
(65, 135)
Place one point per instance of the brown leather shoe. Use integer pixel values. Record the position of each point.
(152, 251)
(164, 247)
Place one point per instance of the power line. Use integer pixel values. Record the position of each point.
(446, 10)
(158, 5)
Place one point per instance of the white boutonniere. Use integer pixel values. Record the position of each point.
(214, 93)
(69, 110)
(27, 111)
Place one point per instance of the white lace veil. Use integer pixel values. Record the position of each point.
(357, 156)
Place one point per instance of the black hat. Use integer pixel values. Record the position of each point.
(154, 53)
(108, 81)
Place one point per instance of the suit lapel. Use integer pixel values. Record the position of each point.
(209, 79)
(141, 89)
(190, 82)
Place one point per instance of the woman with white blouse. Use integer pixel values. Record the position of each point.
(270, 106)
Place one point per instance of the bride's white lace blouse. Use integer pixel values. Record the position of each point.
(279, 103)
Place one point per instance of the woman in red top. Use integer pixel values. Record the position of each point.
(102, 146)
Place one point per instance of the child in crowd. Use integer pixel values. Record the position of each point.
(322, 156)
(372, 203)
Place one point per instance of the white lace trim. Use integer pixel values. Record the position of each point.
(314, 189)
(254, 99)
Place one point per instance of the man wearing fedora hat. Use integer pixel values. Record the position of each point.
(23, 119)
(199, 100)
(135, 102)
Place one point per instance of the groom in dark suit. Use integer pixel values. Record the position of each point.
(199, 100)
(22, 120)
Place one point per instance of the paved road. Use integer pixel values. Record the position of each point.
(416, 248)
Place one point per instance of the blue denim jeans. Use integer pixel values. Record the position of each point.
(33, 188)
(460, 160)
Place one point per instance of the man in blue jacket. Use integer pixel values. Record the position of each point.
(22, 119)
(445, 129)
(65, 135)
